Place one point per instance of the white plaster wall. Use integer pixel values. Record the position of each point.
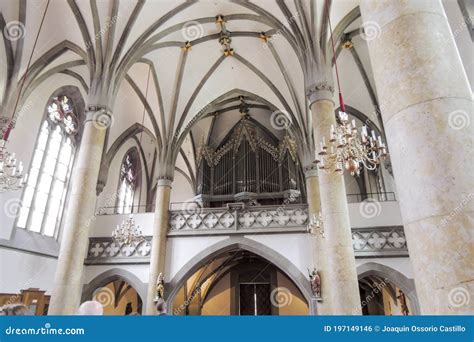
(180, 250)
(375, 214)
(140, 271)
(181, 190)
(20, 270)
(294, 247)
(402, 265)
(105, 224)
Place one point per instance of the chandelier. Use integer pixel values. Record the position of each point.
(348, 150)
(11, 174)
(128, 233)
(315, 225)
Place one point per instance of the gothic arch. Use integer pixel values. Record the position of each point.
(285, 265)
(405, 284)
(112, 275)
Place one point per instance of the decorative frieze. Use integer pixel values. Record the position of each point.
(367, 242)
(379, 241)
(252, 219)
(104, 250)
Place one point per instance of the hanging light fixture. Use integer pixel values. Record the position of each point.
(348, 149)
(128, 233)
(315, 225)
(11, 174)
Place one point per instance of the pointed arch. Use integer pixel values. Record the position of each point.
(239, 242)
(395, 277)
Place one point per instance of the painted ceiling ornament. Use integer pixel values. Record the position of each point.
(264, 37)
(160, 287)
(315, 281)
(347, 44)
(225, 36)
(187, 46)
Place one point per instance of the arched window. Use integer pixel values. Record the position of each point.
(127, 182)
(50, 170)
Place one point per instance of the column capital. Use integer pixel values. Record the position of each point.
(101, 116)
(310, 171)
(319, 91)
(165, 181)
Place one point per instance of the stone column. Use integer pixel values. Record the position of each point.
(427, 109)
(345, 298)
(158, 248)
(79, 212)
(317, 241)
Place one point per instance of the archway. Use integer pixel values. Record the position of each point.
(119, 292)
(239, 276)
(385, 291)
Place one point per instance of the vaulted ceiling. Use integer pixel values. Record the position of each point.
(134, 55)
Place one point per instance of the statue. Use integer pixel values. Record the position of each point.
(403, 303)
(315, 281)
(160, 287)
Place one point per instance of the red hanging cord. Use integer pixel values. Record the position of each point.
(341, 99)
(10, 123)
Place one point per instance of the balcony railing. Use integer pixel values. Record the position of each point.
(183, 206)
(376, 196)
(367, 242)
(136, 209)
(233, 219)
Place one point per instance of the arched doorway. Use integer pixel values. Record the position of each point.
(239, 282)
(119, 291)
(118, 298)
(385, 291)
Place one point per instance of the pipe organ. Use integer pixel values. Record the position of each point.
(246, 167)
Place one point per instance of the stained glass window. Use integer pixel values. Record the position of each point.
(128, 183)
(50, 170)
